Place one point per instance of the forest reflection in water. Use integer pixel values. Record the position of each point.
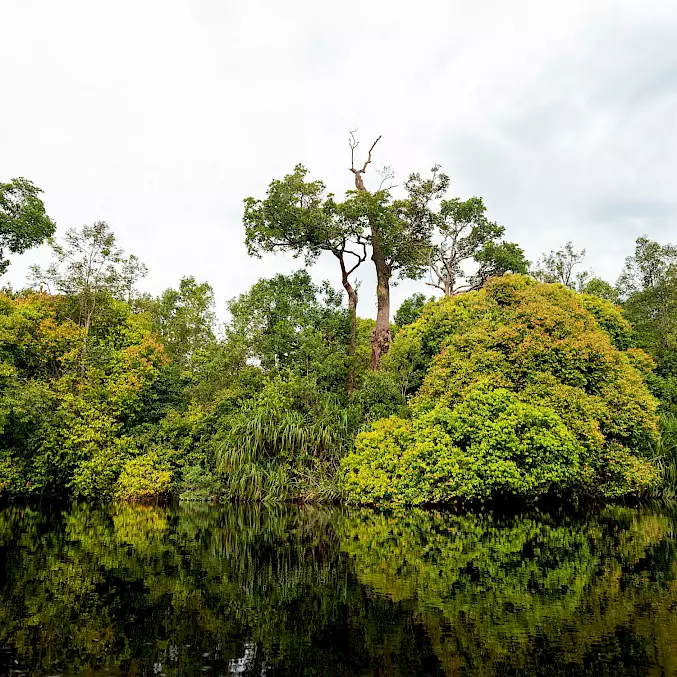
(197, 589)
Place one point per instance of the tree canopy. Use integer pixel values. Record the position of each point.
(23, 220)
(465, 236)
(505, 387)
(525, 389)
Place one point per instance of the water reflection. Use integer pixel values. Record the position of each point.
(246, 591)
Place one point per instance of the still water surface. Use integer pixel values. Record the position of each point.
(195, 589)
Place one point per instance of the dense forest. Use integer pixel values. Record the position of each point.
(517, 379)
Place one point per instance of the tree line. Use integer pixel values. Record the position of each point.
(110, 392)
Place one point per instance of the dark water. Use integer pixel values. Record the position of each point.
(210, 590)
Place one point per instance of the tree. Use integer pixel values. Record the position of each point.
(23, 221)
(466, 235)
(185, 319)
(399, 232)
(298, 217)
(648, 286)
(410, 309)
(650, 266)
(558, 266)
(288, 323)
(596, 286)
(90, 268)
(524, 393)
(64, 423)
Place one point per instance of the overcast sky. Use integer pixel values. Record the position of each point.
(160, 116)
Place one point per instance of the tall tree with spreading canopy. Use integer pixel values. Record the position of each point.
(91, 268)
(399, 232)
(297, 216)
(465, 236)
(23, 221)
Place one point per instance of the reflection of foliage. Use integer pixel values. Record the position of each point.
(312, 591)
(487, 588)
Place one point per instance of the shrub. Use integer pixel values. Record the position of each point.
(522, 392)
(143, 478)
(283, 443)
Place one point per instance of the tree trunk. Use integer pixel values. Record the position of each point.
(85, 340)
(448, 286)
(352, 308)
(380, 335)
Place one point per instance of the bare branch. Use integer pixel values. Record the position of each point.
(364, 168)
(387, 174)
(353, 143)
(360, 258)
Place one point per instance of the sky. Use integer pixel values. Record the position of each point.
(161, 116)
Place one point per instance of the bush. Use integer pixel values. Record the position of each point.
(199, 484)
(143, 478)
(522, 392)
(283, 443)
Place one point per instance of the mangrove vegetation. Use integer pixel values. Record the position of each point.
(513, 381)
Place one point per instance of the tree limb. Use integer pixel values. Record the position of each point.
(353, 143)
(364, 168)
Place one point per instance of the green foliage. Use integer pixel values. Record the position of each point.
(464, 235)
(522, 392)
(558, 266)
(89, 266)
(380, 395)
(64, 417)
(598, 287)
(184, 320)
(23, 221)
(288, 431)
(96, 378)
(664, 457)
(410, 309)
(491, 444)
(297, 216)
(289, 323)
(648, 286)
(611, 319)
(143, 478)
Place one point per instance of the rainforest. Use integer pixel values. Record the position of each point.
(477, 482)
(514, 381)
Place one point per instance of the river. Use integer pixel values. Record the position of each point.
(247, 590)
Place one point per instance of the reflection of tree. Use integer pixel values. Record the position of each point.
(498, 596)
(187, 587)
(324, 592)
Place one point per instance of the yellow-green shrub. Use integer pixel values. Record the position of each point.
(522, 391)
(143, 478)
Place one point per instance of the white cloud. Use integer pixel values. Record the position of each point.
(161, 116)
